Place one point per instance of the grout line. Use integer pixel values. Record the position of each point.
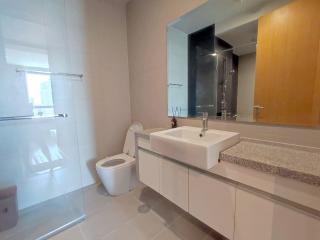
(121, 224)
(112, 199)
(188, 190)
(163, 230)
(132, 219)
(159, 233)
(82, 233)
(234, 214)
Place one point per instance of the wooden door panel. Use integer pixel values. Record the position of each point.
(287, 64)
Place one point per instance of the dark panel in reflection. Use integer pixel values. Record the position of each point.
(201, 71)
(212, 76)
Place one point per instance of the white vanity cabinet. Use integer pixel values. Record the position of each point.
(174, 183)
(168, 178)
(212, 202)
(232, 210)
(149, 169)
(263, 219)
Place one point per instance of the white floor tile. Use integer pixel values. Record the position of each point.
(112, 215)
(167, 211)
(188, 228)
(167, 234)
(142, 227)
(73, 233)
(95, 198)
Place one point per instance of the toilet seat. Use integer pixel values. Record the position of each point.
(117, 177)
(118, 173)
(128, 161)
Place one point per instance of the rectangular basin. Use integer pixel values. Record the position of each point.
(184, 144)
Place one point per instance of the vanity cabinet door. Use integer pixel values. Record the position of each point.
(212, 202)
(149, 169)
(174, 183)
(263, 219)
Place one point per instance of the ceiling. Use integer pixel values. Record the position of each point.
(219, 11)
(243, 38)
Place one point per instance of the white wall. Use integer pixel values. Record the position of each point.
(246, 80)
(177, 72)
(97, 47)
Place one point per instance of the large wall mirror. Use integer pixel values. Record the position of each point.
(248, 61)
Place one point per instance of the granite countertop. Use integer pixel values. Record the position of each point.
(291, 161)
(296, 162)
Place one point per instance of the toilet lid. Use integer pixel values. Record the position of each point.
(129, 145)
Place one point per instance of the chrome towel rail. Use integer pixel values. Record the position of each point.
(50, 73)
(16, 118)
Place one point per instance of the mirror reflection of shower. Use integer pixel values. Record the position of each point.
(227, 62)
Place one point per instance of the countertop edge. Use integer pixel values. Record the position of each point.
(271, 169)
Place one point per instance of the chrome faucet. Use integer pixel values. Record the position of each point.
(204, 124)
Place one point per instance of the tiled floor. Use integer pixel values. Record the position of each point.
(139, 215)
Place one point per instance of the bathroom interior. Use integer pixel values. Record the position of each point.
(160, 119)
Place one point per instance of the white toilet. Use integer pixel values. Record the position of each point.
(118, 173)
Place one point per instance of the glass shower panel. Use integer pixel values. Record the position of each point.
(39, 151)
(41, 157)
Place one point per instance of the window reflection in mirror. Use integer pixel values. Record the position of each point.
(241, 60)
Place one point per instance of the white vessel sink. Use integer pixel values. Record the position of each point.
(184, 144)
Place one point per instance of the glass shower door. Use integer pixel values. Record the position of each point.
(39, 153)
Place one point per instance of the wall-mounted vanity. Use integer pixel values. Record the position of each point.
(256, 191)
